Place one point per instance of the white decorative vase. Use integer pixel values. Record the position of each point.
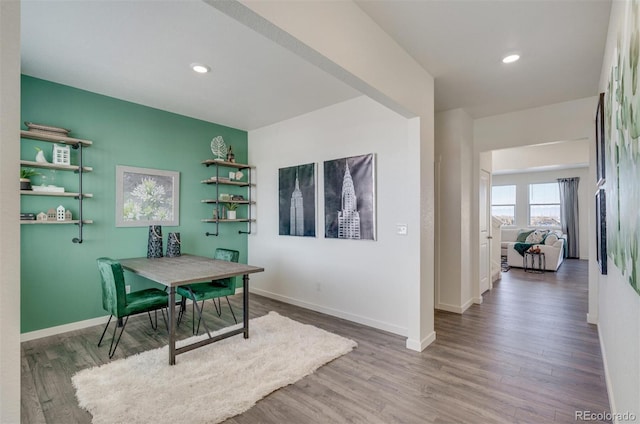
(231, 214)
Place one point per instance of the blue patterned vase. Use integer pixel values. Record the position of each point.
(154, 246)
(173, 245)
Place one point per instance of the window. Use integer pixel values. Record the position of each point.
(503, 203)
(544, 205)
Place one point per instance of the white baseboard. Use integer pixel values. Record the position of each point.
(52, 331)
(607, 378)
(381, 325)
(421, 345)
(467, 305)
(592, 319)
(457, 309)
(478, 300)
(449, 308)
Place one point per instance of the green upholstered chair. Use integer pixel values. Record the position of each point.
(210, 290)
(121, 304)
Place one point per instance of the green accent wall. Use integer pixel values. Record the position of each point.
(59, 279)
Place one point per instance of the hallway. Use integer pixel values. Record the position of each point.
(529, 345)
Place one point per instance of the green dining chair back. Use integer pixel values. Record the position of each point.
(121, 304)
(213, 290)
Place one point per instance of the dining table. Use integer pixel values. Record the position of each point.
(185, 269)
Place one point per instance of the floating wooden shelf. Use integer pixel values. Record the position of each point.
(240, 202)
(226, 182)
(80, 169)
(217, 180)
(53, 166)
(75, 221)
(53, 194)
(210, 162)
(229, 220)
(54, 138)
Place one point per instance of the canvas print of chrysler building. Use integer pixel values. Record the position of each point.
(349, 198)
(297, 200)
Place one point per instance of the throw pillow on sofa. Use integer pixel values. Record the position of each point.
(551, 239)
(536, 237)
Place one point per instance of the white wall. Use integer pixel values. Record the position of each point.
(354, 42)
(585, 197)
(573, 120)
(618, 303)
(363, 281)
(453, 152)
(542, 157)
(9, 208)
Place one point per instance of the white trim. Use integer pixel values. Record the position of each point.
(381, 325)
(419, 346)
(607, 378)
(467, 305)
(478, 300)
(593, 319)
(52, 331)
(458, 309)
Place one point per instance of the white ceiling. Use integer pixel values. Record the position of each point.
(140, 51)
(461, 44)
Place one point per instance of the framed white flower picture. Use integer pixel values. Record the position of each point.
(147, 197)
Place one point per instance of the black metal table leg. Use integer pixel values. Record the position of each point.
(245, 306)
(172, 325)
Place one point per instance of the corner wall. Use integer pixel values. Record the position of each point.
(362, 281)
(9, 207)
(123, 133)
(402, 85)
(453, 152)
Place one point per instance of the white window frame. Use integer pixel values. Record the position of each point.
(515, 189)
(531, 224)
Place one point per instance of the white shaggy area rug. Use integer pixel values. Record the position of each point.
(211, 383)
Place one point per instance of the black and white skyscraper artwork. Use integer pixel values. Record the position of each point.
(349, 198)
(297, 200)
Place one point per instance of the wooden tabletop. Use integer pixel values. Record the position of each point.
(185, 269)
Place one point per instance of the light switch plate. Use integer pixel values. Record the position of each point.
(402, 229)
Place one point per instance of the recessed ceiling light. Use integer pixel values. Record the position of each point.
(200, 68)
(511, 58)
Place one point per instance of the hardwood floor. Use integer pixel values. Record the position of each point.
(526, 355)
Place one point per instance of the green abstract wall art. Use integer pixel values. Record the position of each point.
(622, 140)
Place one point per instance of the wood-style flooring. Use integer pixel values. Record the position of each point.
(525, 355)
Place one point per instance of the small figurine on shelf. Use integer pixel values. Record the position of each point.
(218, 148)
(40, 156)
(67, 215)
(51, 215)
(61, 155)
(41, 216)
(230, 156)
(60, 213)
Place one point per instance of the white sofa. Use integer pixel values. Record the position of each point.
(553, 251)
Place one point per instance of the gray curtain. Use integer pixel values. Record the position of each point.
(569, 214)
